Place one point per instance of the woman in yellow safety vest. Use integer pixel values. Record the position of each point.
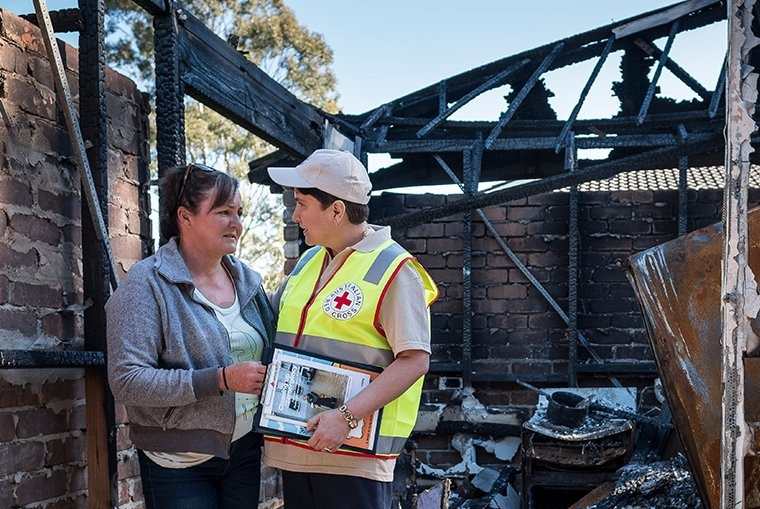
(355, 295)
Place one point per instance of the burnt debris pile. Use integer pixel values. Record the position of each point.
(665, 483)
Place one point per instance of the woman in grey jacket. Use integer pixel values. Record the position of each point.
(186, 331)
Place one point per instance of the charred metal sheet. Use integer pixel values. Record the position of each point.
(678, 285)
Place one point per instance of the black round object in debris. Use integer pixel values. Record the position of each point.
(567, 409)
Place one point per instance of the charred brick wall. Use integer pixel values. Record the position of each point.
(43, 429)
(515, 333)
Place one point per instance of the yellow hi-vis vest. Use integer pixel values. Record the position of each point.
(340, 321)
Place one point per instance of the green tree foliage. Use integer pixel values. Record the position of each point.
(268, 34)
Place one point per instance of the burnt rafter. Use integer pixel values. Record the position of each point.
(597, 171)
(217, 75)
(419, 123)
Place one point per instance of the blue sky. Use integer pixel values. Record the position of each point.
(385, 50)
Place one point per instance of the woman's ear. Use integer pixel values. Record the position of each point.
(183, 216)
(339, 210)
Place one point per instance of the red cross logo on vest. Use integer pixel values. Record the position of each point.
(344, 302)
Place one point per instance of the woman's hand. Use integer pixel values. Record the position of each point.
(245, 377)
(330, 430)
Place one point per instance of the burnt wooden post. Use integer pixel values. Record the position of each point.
(571, 165)
(741, 95)
(100, 414)
(470, 187)
(170, 108)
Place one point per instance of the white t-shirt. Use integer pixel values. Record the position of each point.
(246, 345)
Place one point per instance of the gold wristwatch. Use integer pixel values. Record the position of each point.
(348, 416)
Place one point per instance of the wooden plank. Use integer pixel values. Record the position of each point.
(661, 18)
(101, 459)
(741, 96)
(222, 78)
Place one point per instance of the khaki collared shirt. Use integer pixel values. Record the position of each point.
(405, 319)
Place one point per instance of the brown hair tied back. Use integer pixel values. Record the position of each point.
(187, 186)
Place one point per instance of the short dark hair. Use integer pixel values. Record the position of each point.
(186, 186)
(357, 212)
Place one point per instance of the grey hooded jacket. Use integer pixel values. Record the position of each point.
(165, 349)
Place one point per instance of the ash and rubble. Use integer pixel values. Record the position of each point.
(645, 482)
(666, 483)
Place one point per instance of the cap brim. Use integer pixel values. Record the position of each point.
(288, 177)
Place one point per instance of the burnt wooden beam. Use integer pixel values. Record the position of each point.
(652, 50)
(154, 7)
(257, 169)
(594, 172)
(403, 129)
(219, 76)
(170, 106)
(100, 414)
(536, 143)
(37, 359)
(494, 166)
(63, 20)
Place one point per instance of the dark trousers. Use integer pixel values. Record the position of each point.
(328, 491)
(215, 484)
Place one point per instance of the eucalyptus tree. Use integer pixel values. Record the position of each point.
(268, 34)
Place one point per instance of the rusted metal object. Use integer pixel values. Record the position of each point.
(678, 285)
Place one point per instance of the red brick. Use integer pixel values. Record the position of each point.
(18, 320)
(21, 457)
(6, 492)
(64, 204)
(31, 97)
(77, 418)
(441, 245)
(128, 467)
(13, 192)
(17, 260)
(127, 246)
(13, 395)
(71, 388)
(40, 422)
(3, 289)
(64, 327)
(66, 450)
(24, 294)
(426, 230)
(36, 228)
(22, 32)
(41, 486)
(12, 59)
(7, 427)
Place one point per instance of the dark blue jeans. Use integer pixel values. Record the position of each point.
(215, 484)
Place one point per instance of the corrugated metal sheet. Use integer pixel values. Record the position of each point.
(678, 285)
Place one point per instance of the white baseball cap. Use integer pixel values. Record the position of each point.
(337, 172)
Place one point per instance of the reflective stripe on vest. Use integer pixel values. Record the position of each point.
(341, 321)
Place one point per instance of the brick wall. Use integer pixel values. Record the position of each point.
(43, 430)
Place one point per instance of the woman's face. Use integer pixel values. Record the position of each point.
(315, 222)
(216, 229)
